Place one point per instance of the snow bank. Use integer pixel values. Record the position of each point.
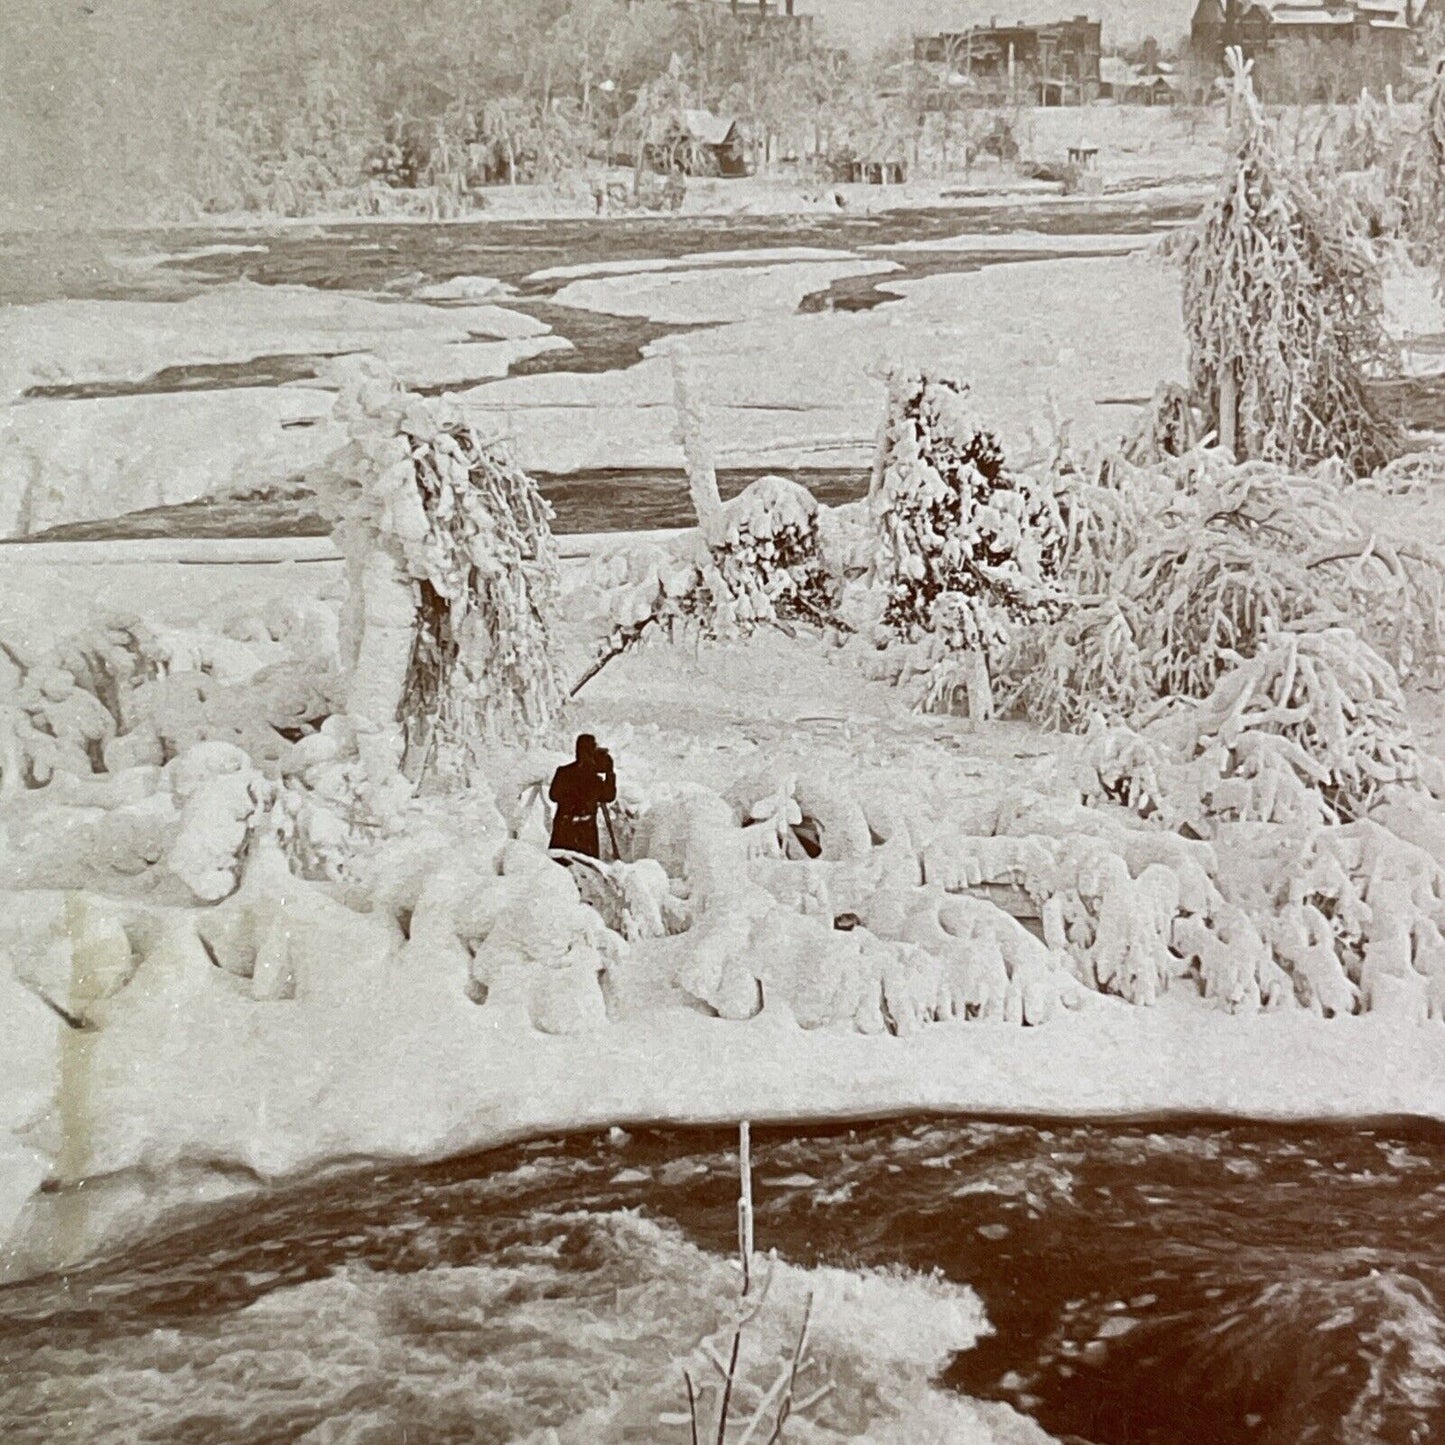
(76, 341)
(66, 461)
(716, 294)
(189, 1070)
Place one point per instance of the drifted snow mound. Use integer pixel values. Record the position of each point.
(222, 795)
(126, 746)
(636, 900)
(512, 924)
(70, 949)
(923, 957)
(120, 694)
(827, 812)
(290, 938)
(988, 964)
(694, 834)
(1108, 903)
(763, 935)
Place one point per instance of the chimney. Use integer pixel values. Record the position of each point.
(789, 8)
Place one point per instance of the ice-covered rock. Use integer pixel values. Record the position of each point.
(541, 959)
(291, 938)
(221, 795)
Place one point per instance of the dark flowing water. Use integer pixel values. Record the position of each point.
(399, 260)
(1148, 1284)
(606, 499)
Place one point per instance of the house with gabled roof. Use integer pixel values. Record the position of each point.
(1371, 41)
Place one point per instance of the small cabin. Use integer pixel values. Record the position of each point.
(696, 142)
(878, 171)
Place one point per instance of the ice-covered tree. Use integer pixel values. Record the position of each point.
(454, 580)
(1179, 568)
(1431, 168)
(1282, 307)
(1312, 728)
(756, 560)
(965, 547)
(692, 437)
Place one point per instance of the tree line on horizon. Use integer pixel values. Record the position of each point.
(148, 110)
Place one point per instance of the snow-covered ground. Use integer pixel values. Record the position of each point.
(1415, 316)
(292, 1026)
(198, 1080)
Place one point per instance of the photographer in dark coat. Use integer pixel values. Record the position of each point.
(579, 788)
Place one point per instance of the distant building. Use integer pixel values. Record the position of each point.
(1055, 64)
(1137, 84)
(696, 142)
(1311, 44)
(759, 16)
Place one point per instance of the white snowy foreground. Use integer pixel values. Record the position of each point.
(453, 991)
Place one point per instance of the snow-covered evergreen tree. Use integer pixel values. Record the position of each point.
(964, 546)
(1282, 307)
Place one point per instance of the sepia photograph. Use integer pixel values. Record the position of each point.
(722, 722)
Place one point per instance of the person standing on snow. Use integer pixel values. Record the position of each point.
(579, 788)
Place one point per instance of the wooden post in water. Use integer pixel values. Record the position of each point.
(745, 1202)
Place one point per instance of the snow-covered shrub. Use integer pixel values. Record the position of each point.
(1168, 429)
(764, 558)
(1282, 308)
(222, 799)
(964, 546)
(1351, 912)
(1312, 727)
(64, 710)
(264, 715)
(1108, 896)
(756, 560)
(119, 694)
(1177, 569)
(454, 576)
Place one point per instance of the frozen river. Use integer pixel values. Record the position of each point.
(1158, 1283)
(408, 262)
(597, 432)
